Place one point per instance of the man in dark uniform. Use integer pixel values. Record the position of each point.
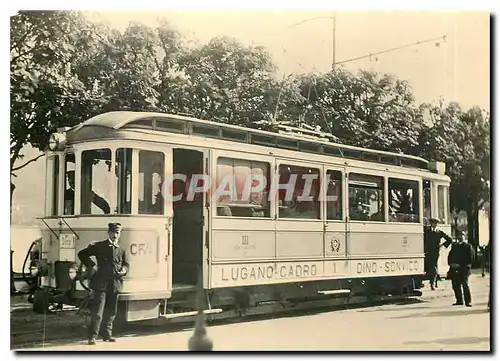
(432, 245)
(460, 260)
(106, 279)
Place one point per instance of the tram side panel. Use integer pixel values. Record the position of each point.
(379, 250)
(241, 257)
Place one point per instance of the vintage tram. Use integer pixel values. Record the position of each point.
(356, 235)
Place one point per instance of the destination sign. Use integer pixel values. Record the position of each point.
(243, 274)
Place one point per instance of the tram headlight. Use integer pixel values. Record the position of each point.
(39, 268)
(57, 141)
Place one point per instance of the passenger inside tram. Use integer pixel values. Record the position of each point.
(69, 197)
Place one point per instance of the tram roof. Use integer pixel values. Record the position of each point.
(302, 141)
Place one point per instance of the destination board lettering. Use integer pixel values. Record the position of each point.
(381, 267)
(268, 272)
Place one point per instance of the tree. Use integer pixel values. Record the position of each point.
(462, 140)
(43, 85)
(227, 81)
(365, 109)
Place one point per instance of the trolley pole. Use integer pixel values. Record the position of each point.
(200, 340)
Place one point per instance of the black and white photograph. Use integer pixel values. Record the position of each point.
(250, 180)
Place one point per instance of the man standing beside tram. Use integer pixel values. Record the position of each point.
(432, 245)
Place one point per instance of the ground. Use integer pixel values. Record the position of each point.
(429, 324)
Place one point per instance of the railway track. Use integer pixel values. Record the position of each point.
(65, 327)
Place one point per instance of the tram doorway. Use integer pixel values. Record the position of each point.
(188, 225)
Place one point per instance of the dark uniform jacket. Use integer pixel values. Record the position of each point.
(463, 255)
(432, 240)
(110, 260)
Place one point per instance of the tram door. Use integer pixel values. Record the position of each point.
(335, 226)
(189, 221)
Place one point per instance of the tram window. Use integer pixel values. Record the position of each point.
(332, 151)
(371, 157)
(354, 154)
(287, 143)
(96, 181)
(151, 176)
(143, 123)
(427, 199)
(298, 193)
(206, 131)
(239, 191)
(123, 173)
(170, 126)
(334, 195)
(366, 198)
(263, 139)
(403, 201)
(69, 184)
(442, 194)
(310, 147)
(55, 185)
(234, 135)
(388, 160)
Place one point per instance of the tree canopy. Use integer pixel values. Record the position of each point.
(65, 69)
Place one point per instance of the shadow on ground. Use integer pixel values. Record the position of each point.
(456, 312)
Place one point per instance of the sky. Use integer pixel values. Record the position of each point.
(456, 70)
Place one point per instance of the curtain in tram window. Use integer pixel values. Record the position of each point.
(258, 171)
(224, 172)
(242, 172)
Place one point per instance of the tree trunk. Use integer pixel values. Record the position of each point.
(12, 188)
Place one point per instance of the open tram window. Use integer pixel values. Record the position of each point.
(123, 172)
(96, 181)
(53, 169)
(442, 195)
(334, 195)
(427, 200)
(298, 193)
(69, 184)
(151, 177)
(366, 198)
(242, 188)
(403, 201)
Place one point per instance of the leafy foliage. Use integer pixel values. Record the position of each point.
(65, 69)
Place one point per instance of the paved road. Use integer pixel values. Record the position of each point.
(431, 324)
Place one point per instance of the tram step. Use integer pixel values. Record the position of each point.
(191, 313)
(335, 292)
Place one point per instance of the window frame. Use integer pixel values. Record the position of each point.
(343, 193)
(52, 206)
(63, 185)
(135, 191)
(446, 206)
(368, 173)
(420, 197)
(287, 162)
(113, 146)
(215, 176)
(112, 189)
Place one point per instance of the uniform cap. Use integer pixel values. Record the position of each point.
(433, 220)
(113, 227)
